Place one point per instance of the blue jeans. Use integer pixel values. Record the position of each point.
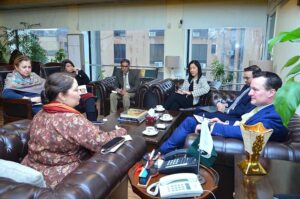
(177, 139)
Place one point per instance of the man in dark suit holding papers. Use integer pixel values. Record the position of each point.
(240, 106)
(262, 92)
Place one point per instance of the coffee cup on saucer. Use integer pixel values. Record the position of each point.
(159, 108)
(150, 128)
(166, 116)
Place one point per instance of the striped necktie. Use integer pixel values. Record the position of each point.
(236, 101)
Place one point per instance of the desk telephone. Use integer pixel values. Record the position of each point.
(177, 186)
(178, 161)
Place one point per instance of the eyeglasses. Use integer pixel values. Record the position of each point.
(124, 66)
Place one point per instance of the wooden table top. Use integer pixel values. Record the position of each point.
(210, 175)
(283, 177)
(137, 129)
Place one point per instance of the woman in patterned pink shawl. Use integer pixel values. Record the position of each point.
(60, 135)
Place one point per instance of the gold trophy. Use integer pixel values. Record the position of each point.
(255, 138)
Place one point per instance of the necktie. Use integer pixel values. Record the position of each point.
(246, 116)
(124, 81)
(233, 105)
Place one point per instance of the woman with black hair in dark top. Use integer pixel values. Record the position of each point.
(87, 102)
(193, 87)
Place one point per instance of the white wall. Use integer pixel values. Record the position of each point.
(288, 18)
(145, 16)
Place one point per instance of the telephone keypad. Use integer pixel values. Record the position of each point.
(181, 164)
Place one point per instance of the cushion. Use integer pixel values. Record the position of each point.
(21, 173)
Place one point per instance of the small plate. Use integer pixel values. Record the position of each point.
(150, 133)
(166, 119)
(159, 110)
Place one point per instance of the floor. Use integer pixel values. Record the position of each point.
(131, 195)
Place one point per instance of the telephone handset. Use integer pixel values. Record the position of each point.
(178, 161)
(180, 185)
(175, 154)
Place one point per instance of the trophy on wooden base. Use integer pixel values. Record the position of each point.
(255, 138)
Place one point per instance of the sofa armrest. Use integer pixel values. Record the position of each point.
(13, 140)
(162, 89)
(104, 88)
(94, 178)
(146, 83)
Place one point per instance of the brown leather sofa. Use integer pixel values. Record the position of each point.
(101, 176)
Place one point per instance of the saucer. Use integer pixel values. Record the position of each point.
(150, 133)
(160, 110)
(166, 119)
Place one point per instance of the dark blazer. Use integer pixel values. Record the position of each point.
(82, 78)
(133, 78)
(268, 116)
(243, 106)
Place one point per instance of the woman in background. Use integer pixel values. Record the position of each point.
(24, 84)
(193, 87)
(87, 102)
(59, 135)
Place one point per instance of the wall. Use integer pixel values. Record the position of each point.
(287, 18)
(288, 15)
(145, 16)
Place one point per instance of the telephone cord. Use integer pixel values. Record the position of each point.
(212, 193)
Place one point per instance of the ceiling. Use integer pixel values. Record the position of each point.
(23, 4)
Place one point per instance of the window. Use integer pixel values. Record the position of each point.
(119, 52)
(201, 33)
(156, 53)
(156, 33)
(51, 40)
(213, 49)
(119, 33)
(231, 46)
(199, 52)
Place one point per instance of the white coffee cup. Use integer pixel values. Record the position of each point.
(166, 116)
(150, 128)
(159, 107)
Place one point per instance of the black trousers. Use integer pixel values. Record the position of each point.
(176, 101)
(89, 107)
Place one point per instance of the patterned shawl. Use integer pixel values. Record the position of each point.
(57, 107)
(31, 84)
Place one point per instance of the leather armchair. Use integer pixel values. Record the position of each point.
(50, 68)
(105, 86)
(101, 176)
(16, 109)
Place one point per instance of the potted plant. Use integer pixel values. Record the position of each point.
(217, 71)
(287, 98)
(25, 41)
(60, 55)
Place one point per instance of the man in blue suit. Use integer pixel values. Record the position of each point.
(240, 105)
(262, 91)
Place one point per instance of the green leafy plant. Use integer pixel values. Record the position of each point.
(24, 40)
(287, 98)
(60, 55)
(217, 70)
